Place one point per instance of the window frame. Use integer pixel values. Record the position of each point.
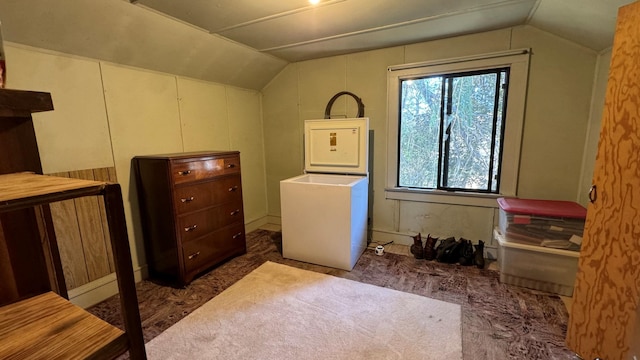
(518, 63)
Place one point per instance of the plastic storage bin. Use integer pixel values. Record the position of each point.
(535, 267)
(533, 222)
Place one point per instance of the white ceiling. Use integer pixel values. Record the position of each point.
(295, 30)
(247, 42)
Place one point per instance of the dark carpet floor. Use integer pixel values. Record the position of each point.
(499, 321)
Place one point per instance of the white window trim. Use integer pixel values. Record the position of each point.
(518, 61)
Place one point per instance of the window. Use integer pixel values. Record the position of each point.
(451, 130)
(455, 126)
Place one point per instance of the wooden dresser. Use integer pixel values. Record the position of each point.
(191, 212)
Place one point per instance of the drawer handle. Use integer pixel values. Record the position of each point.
(233, 188)
(236, 235)
(231, 166)
(235, 212)
(191, 228)
(186, 200)
(194, 255)
(184, 173)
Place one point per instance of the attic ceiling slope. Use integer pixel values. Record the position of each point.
(122, 33)
(295, 30)
(590, 23)
(245, 43)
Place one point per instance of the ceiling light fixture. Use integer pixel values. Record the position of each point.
(314, 2)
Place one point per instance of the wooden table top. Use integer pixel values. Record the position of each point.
(47, 326)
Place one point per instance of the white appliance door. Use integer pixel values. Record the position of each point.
(337, 146)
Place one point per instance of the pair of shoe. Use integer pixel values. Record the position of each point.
(449, 250)
(416, 249)
(427, 252)
(452, 251)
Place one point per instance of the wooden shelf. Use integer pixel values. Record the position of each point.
(46, 326)
(29, 262)
(26, 189)
(49, 327)
(20, 103)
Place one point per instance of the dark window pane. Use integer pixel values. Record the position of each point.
(419, 131)
(451, 129)
(468, 135)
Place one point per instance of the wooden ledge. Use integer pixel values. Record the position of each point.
(19, 190)
(47, 326)
(20, 103)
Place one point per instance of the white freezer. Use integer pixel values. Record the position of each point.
(324, 219)
(324, 212)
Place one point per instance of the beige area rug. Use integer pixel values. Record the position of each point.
(281, 312)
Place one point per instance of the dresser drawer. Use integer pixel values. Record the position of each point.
(218, 245)
(232, 165)
(196, 197)
(194, 225)
(183, 172)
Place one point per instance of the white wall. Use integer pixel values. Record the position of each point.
(556, 121)
(557, 115)
(105, 114)
(593, 130)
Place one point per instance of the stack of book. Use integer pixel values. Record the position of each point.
(550, 223)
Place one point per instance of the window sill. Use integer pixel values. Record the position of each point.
(443, 197)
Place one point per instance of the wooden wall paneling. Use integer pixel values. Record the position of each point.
(112, 174)
(104, 174)
(606, 300)
(65, 221)
(92, 235)
(83, 232)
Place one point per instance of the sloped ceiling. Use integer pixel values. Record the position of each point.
(123, 33)
(296, 30)
(247, 42)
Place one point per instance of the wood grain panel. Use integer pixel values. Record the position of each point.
(90, 222)
(83, 233)
(65, 222)
(103, 174)
(607, 293)
(48, 327)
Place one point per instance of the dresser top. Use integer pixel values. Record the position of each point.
(186, 155)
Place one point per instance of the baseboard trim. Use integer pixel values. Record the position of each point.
(272, 219)
(255, 224)
(99, 290)
(385, 236)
